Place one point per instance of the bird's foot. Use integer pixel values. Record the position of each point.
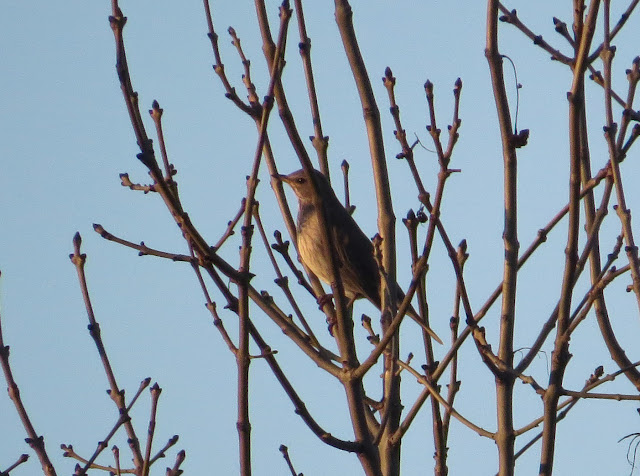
(324, 299)
(331, 321)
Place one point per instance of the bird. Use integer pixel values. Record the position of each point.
(358, 267)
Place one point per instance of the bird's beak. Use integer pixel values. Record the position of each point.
(282, 178)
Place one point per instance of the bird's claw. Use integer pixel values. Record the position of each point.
(324, 299)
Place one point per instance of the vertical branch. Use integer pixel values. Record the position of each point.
(561, 355)
(633, 76)
(390, 453)
(505, 438)
(439, 443)
(155, 395)
(242, 356)
(454, 383)
(610, 131)
(319, 141)
(616, 351)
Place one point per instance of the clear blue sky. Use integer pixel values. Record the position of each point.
(66, 137)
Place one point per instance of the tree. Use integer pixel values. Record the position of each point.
(480, 338)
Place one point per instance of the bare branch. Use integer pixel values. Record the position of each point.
(36, 442)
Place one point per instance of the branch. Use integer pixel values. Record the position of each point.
(231, 94)
(33, 440)
(117, 395)
(610, 131)
(431, 390)
(511, 17)
(504, 386)
(320, 356)
(21, 459)
(68, 451)
(616, 29)
(242, 356)
(319, 141)
(561, 347)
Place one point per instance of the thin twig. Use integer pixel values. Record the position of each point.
(21, 459)
(319, 141)
(433, 392)
(117, 395)
(218, 67)
(511, 17)
(155, 395)
(35, 442)
(285, 454)
(610, 131)
(231, 225)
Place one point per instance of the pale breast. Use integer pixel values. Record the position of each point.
(314, 250)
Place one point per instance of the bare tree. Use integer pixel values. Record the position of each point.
(379, 410)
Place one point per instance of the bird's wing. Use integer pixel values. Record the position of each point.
(359, 268)
(355, 252)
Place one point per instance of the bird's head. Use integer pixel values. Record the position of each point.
(303, 187)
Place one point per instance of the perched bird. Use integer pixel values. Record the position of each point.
(358, 267)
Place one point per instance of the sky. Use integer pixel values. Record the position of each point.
(66, 137)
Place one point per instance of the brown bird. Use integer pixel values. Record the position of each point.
(358, 267)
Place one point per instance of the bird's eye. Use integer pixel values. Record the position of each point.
(301, 180)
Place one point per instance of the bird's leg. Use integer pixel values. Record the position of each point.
(322, 301)
(325, 299)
